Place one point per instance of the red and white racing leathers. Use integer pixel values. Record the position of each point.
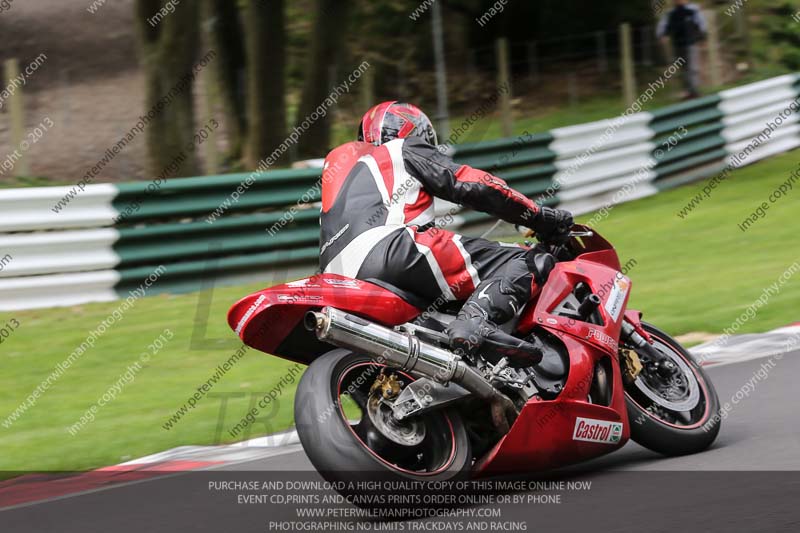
(378, 222)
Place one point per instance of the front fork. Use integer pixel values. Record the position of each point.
(634, 334)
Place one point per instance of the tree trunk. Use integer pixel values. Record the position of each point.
(327, 39)
(265, 42)
(226, 39)
(167, 52)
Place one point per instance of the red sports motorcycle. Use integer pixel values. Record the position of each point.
(384, 392)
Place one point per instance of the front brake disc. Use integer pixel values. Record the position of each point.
(692, 397)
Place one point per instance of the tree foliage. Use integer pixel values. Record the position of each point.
(266, 87)
(277, 61)
(167, 52)
(330, 29)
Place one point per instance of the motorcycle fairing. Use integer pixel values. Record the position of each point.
(604, 281)
(549, 426)
(271, 320)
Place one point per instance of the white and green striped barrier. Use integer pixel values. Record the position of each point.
(108, 238)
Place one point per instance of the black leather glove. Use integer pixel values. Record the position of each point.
(553, 224)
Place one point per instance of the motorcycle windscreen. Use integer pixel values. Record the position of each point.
(271, 320)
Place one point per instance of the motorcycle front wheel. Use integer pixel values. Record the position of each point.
(348, 431)
(672, 405)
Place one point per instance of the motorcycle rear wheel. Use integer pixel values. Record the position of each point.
(653, 423)
(345, 443)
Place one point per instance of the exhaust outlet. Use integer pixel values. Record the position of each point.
(407, 353)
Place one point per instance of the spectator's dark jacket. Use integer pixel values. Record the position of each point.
(686, 25)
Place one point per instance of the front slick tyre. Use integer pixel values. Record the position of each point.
(673, 431)
(343, 441)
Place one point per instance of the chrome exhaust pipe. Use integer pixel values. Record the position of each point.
(408, 353)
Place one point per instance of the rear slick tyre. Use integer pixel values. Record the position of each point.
(342, 450)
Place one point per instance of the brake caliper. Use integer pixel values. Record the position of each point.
(388, 385)
(631, 365)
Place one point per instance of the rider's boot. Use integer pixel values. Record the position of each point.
(496, 301)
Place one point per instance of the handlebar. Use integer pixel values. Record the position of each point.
(561, 249)
(532, 234)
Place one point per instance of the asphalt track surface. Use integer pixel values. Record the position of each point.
(748, 481)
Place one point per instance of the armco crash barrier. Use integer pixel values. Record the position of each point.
(84, 253)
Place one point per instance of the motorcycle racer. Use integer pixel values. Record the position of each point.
(377, 223)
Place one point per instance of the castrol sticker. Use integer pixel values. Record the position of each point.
(616, 297)
(590, 430)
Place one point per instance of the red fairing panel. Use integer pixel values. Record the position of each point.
(570, 429)
(549, 434)
(272, 320)
(609, 284)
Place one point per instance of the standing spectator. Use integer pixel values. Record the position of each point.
(686, 26)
